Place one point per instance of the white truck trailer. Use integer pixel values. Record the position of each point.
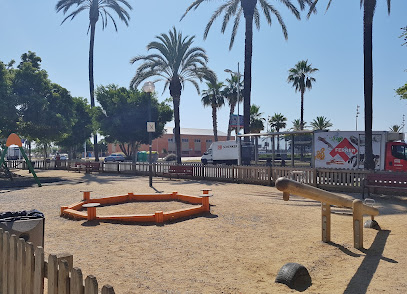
(222, 152)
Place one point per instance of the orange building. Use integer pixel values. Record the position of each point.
(194, 142)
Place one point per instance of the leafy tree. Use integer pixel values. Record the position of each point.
(8, 113)
(278, 122)
(175, 61)
(256, 121)
(369, 7)
(396, 128)
(44, 108)
(301, 79)
(321, 123)
(402, 92)
(97, 8)
(250, 10)
(80, 130)
(214, 98)
(232, 91)
(123, 116)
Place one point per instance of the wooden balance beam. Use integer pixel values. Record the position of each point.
(327, 199)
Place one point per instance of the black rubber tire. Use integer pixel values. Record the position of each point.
(295, 276)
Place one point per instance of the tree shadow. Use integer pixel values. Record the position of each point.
(364, 275)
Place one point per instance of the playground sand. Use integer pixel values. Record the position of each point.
(239, 248)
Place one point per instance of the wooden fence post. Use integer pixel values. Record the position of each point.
(63, 277)
(326, 222)
(39, 271)
(29, 268)
(91, 285)
(357, 224)
(107, 289)
(6, 254)
(77, 281)
(20, 265)
(12, 265)
(1, 259)
(52, 274)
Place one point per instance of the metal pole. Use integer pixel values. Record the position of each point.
(238, 98)
(150, 170)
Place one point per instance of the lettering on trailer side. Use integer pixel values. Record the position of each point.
(344, 149)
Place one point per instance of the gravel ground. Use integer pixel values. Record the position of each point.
(238, 248)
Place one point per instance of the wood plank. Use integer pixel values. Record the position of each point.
(107, 289)
(76, 286)
(91, 285)
(20, 265)
(12, 265)
(52, 274)
(5, 265)
(1, 258)
(29, 268)
(63, 277)
(39, 270)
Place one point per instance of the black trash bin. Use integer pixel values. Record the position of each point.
(28, 225)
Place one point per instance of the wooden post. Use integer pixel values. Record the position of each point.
(159, 217)
(86, 195)
(52, 274)
(91, 285)
(286, 196)
(20, 265)
(29, 267)
(1, 259)
(326, 222)
(107, 289)
(205, 203)
(6, 254)
(358, 224)
(76, 281)
(39, 271)
(12, 265)
(63, 277)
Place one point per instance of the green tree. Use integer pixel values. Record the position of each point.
(232, 91)
(402, 92)
(278, 122)
(321, 123)
(214, 98)
(369, 7)
(301, 79)
(256, 121)
(250, 10)
(8, 112)
(175, 61)
(123, 116)
(298, 126)
(97, 8)
(80, 130)
(396, 128)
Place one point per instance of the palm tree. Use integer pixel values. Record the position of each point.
(297, 125)
(300, 77)
(321, 123)
(214, 98)
(278, 122)
(256, 121)
(396, 128)
(176, 62)
(232, 92)
(251, 13)
(97, 8)
(369, 7)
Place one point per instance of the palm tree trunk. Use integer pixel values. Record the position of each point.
(177, 128)
(92, 85)
(368, 10)
(248, 10)
(214, 124)
(232, 110)
(302, 110)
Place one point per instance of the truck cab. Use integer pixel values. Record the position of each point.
(396, 156)
(207, 156)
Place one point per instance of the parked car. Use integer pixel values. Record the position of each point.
(64, 156)
(115, 157)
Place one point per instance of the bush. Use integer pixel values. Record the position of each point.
(170, 157)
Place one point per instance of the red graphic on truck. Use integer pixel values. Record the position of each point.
(344, 149)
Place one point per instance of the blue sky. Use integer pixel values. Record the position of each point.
(332, 42)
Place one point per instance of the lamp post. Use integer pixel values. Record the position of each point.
(238, 95)
(357, 115)
(149, 87)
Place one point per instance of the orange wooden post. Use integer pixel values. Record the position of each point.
(86, 195)
(159, 217)
(286, 196)
(174, 195)
(205, 203)
(206, 191)
(91, 209)
(62, 209)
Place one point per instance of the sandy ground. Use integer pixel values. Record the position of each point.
(238, 248)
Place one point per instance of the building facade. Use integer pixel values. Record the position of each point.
(194, 142)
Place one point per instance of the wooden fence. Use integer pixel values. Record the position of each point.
(24, 269)
(329, 179)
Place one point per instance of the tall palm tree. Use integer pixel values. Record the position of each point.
(250, 10)
(369, 7)
(278, 122)
(214, 98)
(97, 8)
(175, 61)
(256, 121)
(321, 123)
(301, 79)
(298, 126)
(231, 92)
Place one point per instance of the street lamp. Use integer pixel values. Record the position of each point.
(238, 95)
(149, 87)
(357, 115)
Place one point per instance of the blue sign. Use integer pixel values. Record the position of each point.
(234, 120)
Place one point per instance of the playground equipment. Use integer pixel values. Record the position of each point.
(73, 211)
(13, 139)
(327, 199)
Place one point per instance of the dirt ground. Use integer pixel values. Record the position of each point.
(238, 248)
